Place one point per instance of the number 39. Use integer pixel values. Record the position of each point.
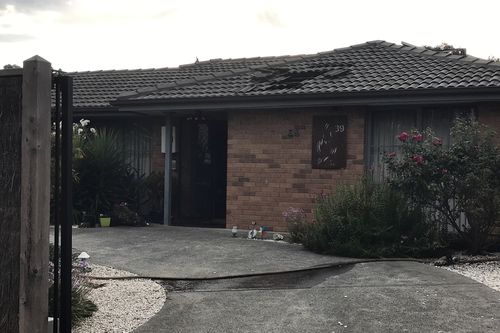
(339, 128)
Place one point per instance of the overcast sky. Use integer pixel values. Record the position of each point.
(118, 34)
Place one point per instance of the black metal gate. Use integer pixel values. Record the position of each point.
(62, 204)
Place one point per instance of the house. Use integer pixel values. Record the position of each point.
(248, 138)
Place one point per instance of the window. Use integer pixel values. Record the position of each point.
(384, 126)
(137, 148)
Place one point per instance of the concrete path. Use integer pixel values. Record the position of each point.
(365, 297)
(191, 252)
(373, 297)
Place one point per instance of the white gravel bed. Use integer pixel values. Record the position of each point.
(487, 273)
(123, 305)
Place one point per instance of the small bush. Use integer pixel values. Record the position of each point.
(81, 306)
(295, 219)
(123, 215)
(367, 220)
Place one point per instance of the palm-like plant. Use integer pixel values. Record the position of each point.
(102, 173)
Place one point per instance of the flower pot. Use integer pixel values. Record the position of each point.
(105, 221)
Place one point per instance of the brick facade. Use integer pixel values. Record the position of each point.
(268, 171)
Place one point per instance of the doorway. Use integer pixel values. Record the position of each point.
(201, 164)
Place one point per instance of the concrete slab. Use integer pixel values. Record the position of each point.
(370, 297)
(162, 251)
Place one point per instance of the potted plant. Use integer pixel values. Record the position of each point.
(104, 220)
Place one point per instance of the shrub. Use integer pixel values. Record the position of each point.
(102, 174)
(367, 220)
(295, 219)
(123, 215)
(81, 306)
(463, 178)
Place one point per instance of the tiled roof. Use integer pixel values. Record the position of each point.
(97, 89)
(375, 66)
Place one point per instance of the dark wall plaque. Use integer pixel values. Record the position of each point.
(329, 142)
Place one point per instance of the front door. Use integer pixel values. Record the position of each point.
(202, 172)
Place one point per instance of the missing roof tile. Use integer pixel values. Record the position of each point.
(279, 78)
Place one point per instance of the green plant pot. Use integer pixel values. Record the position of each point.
(105, 221)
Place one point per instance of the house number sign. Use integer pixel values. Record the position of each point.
(329, 142)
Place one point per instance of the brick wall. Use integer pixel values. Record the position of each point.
(269, 172)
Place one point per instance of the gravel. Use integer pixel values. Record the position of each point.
(487, 273)
(123, 305)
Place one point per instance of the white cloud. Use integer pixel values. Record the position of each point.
(34, 5)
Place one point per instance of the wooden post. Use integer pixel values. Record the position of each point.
(35, 196)
(167, 198)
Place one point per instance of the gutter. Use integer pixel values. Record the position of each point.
(103, 112)
(233, 103)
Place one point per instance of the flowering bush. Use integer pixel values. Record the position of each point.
(82, 133)
(463, 178)
(81, 306)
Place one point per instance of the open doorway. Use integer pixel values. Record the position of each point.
(199, 184)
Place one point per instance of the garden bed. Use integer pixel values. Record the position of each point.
(487, 273)
(123, 305)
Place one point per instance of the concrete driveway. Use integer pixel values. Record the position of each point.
(162, 252)
(363, 297)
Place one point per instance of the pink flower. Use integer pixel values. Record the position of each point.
(417, 137)
(444, 171)
(437, 142)
(403, 136)
(419, 159)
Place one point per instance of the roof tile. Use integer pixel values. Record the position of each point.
(371, 66)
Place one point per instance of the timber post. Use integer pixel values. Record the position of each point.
(25, 125)
(35, 195)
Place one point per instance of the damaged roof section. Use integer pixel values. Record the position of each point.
(97, 89)
(370, 67)
(291, 78)
(376, 66)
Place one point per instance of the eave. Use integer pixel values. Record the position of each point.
(386, 98)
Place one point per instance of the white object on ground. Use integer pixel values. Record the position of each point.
(123, 305)
(84, 255)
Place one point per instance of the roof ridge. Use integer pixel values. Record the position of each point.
(217, 60)
(123, 70)
(423, 51)
(208, 77)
